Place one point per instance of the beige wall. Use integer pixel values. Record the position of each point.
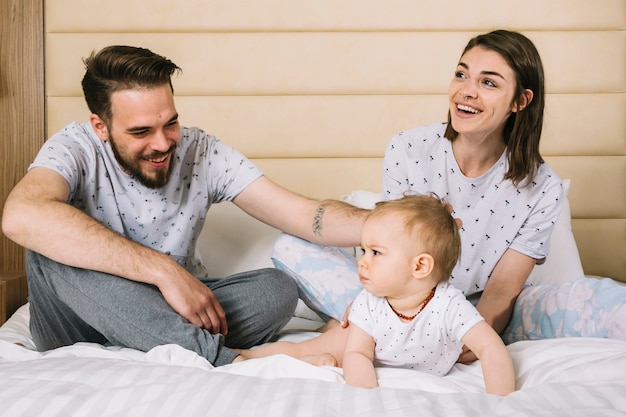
(313, 90)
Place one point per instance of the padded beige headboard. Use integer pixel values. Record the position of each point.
(313, 90)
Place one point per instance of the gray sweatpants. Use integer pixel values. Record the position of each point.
(69, 305)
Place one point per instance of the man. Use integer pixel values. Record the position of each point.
(110, 212)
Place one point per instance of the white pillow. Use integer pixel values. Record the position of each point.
(16, 329)
(232, 241)
(563, 262)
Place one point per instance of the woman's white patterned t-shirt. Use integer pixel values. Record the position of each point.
(496, 214)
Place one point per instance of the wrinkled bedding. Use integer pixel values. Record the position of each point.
(557, 377)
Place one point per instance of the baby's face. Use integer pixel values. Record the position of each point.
(386, 265)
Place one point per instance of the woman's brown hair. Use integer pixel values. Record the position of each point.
(522, 131)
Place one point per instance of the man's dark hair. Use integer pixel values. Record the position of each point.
(119, 67)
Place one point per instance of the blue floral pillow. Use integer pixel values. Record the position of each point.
(326, 276)
(587, 307)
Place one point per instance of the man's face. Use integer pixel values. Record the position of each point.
(144, 132)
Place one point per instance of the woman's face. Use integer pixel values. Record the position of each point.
(481, 94)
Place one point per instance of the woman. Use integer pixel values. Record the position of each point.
(485, 162)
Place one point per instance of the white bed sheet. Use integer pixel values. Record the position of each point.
(560, 377)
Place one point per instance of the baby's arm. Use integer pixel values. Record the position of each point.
(358, 359)
(494, 358)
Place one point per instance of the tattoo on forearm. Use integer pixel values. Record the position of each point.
(317, 220)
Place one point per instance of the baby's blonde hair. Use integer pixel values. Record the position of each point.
(429, 222)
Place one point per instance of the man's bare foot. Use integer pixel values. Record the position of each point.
(329, 325)
(325, 359)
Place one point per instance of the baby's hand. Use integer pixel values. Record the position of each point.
(334, 323)
(467, 356)
(344, 319)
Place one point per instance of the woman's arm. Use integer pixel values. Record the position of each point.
(506, 282)
(494, 358)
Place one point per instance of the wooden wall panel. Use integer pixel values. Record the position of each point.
(21, 103)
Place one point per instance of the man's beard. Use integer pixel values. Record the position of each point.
(133, 168)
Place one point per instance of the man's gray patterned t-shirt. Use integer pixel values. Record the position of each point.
(168, 219)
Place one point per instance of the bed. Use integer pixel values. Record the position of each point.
(577, 376)
(306, 94)
(558, 377)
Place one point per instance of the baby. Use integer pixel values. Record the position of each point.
(407, 315)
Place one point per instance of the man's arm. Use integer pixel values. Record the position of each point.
(36, 216)
(328, 222)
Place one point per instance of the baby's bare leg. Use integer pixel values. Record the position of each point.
(276, 348)
(315, 351)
